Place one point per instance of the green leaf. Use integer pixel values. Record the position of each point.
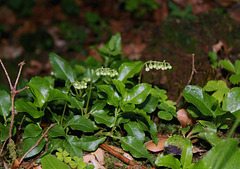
(90, 143)
(120, 87)
(56, 131)
(113, 97)
(210, 137)
(54, 144)
(237, 67)
(168, 161)
(128, 70)
(31, 130)
(135, 147)
(153, 131)
(71, 144)
(234, 79)
(187, 153)
(228, 65)
(232, 101)
(75, 103)
(4, 130)
(102, 117)
(224, 155)
(50, 161)
(138, 93)
(113, 47)
(78, 122)
(198, 97)
(61, 68)
(5, 103)
(165, 115)
(29, 143)
(133, 129)
(149, 105)
(56, 94)
(23, 106)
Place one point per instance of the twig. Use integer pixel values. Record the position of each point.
(120, 156)
(190, 79)
(4, 145)
(37, 142)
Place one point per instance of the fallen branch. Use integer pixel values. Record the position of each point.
(120, 156)
(190, 79)
(37, 142)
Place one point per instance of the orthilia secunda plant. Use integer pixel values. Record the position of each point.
(155, 65)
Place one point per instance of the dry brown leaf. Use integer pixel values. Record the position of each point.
(150, 145)
(10, 52)
(218, 47)
(99, 153)
(90, 159)
(38, 167)
(197, 150)
(184, 118)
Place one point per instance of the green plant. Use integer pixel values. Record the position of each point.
(70, 7)
(140, 7)
(23, 7)
(182, 14)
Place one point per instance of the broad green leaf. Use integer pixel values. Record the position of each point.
(210, 137)
(23, 106)
(175, 140)
(120, 87)
(113, 97)
(61, 68)
(237, 67)
(128, 70)
(51, 162)
(227, 64)
(78, 122)
(75, 103)
(29, 143)
(90, 143)
(235, 79)
(168, 161)
(5, 103)
(153, 131)
(187, 153)
(56, 94)
(40, 87)
(92, 63)
(102, 117)
(113, 47)
(54, 144)
(150, 104)
(135, 147)
(211, 85)
(56, 131)
(209, 126)
(224, 155)
(138, 93)
(71, 145)
(198, 97)
(31, 130)
(4, 130)
(134, 130)
(232, 101)
(165, 115)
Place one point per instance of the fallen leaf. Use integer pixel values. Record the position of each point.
(184, 118)
(91, 159)
(99, 153)
(150, 145)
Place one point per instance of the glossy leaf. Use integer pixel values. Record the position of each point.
(50, 161)
(23, 106)
(31, 130)
(81, 123)
(198, 97)
(165, 115)
(128, 70)
(134, 130)
(56, 94)
(75, 103)
(187, 153)
(232, 101)
(136, 148)
(168, 161)
(237, 67)
(150, 104)
(102, 117)
(71, 145)
(224, 155)
(5, 103)
(227, 64)
(56, 131)
(120, 87)
(210, 137)
(112, 96)
(90, 143)
(29, 143)
(61, 68)
(153, 131)
(138, 93)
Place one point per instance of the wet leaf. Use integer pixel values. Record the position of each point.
(101, 117)
(5, 103)
(232, 101)
(78, 122)
(90, 143)
(134, 130)
(113, 97)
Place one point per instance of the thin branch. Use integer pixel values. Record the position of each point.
(19, 73)
(120, 156)
(26, 87)
(190, 79)
(9, 80)
(4, 145)
(36, 142)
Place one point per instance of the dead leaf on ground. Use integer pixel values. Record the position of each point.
(100, 153)
(134, 50)
(150, 145)
(10, 52)
(184, 118)
(91, 159)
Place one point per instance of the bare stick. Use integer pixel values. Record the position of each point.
(9, 81)
(120, 156)
(4, 145)
(19, 73)
(37, 142)
(190, 79)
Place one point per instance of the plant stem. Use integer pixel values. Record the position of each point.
(89, 95)
(115, 120)
(235, 125)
